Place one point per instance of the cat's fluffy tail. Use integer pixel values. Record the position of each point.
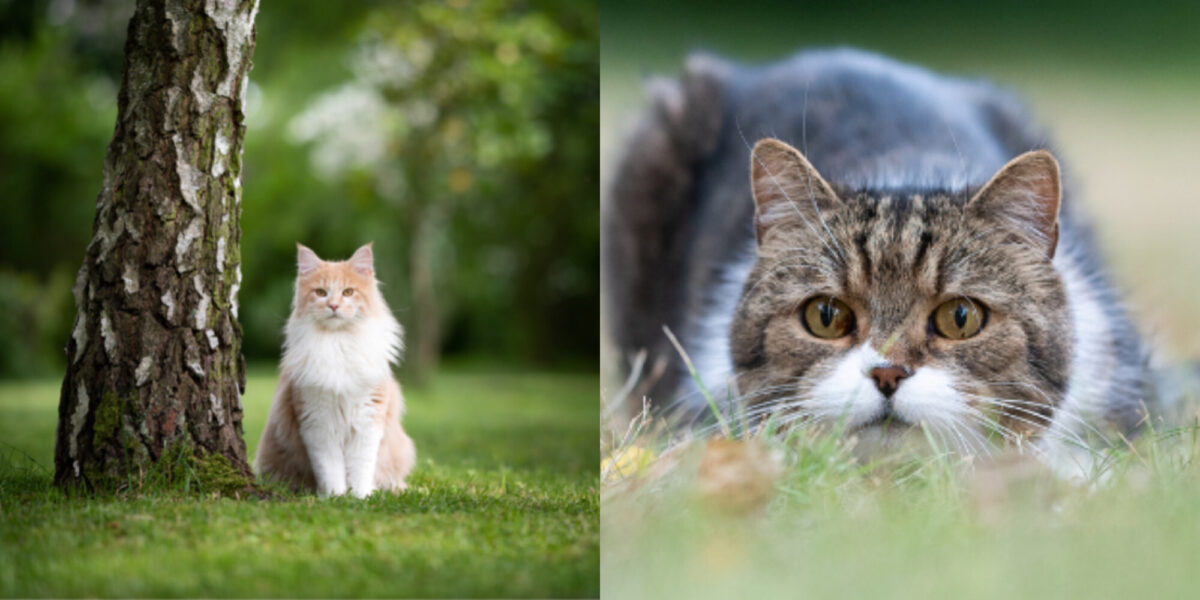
(648, 222)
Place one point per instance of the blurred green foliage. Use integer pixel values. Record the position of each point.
(1024, 36)
(458, 136)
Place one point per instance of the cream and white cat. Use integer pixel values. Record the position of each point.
(334, 424)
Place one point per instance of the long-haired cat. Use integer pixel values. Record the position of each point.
(895, 250)
(334, 424)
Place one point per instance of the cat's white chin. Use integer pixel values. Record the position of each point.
(334, 322)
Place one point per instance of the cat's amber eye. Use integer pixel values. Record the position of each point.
(959, 319)
(348, 292)
(321, 293)
(827, 317)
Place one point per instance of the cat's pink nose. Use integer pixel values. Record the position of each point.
(888, 377)
(333, 307)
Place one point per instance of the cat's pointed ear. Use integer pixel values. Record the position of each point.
(1025, 197)
(363, 260)
(307, 261)
(787, 188)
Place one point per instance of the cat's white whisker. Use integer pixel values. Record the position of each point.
(1059, 411)
(1042, 427)
(1011, 437)
(1027, 407)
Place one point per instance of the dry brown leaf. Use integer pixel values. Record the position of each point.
(737, 476)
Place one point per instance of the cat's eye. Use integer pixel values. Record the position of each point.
(827, 317)
(959, 319)
(348, 292)
(321, 293)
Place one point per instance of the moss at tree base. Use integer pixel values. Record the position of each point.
(182, 468)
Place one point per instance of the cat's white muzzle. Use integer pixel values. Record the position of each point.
(334, 320)
(847, 395)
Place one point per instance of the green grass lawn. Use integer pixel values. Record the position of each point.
(930, 527)
(503, 503)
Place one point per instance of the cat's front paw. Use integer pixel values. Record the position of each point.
(361, 492)
(326, 491)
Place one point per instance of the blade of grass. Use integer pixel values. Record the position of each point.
(712, 404)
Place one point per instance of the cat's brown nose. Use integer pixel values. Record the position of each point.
(888, 377)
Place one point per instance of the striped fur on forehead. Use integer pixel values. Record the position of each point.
(899, 237)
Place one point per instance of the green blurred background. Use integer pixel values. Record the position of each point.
(1116, 83)
(458, 136)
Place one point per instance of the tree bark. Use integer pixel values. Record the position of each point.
(155, 368)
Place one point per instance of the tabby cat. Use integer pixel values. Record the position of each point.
(844, 240)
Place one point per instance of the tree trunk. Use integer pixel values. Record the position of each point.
(425, 335)
(155, 369)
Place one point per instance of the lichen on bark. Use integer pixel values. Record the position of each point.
(154, 357)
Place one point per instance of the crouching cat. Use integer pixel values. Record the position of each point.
(334, 424)
(896, 252)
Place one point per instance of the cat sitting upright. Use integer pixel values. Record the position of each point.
(334, 424)
(895, 253)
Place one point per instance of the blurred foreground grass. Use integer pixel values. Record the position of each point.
(503, 503)
(827, 526)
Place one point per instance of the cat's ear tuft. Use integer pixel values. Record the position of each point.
(307, 261)
(363, 260)
(786, 187)
(1024, 196)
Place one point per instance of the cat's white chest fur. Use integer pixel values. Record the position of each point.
(334, 373)
(343, 416)
(345, 362)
